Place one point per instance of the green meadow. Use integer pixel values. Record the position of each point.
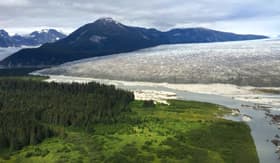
(184, 131)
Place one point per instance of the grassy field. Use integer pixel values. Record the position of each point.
(182, 132)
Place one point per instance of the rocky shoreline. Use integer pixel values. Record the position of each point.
(156, 96)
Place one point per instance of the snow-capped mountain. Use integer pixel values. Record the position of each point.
(33, 39)
(47, 36)
(5, 39)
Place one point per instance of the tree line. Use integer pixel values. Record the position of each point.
(29, 109)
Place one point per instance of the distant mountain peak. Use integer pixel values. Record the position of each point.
(41, 31)
(33, 39)
(2, 30)
(3, 33)
(107, 21)
(44, 31)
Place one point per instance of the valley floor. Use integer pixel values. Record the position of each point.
(256, 105)
(179, 132)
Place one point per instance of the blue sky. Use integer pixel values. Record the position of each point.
(240, 16)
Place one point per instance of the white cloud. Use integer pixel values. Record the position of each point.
(10, 3)
(230, 15)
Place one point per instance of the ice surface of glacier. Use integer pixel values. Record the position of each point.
(255, 63)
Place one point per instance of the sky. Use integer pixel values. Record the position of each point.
(239, 16)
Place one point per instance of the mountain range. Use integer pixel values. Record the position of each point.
(33, 39)
(106, 36)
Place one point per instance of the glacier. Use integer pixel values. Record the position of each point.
(253, 63)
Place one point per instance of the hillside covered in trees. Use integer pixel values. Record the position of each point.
(29, 109)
